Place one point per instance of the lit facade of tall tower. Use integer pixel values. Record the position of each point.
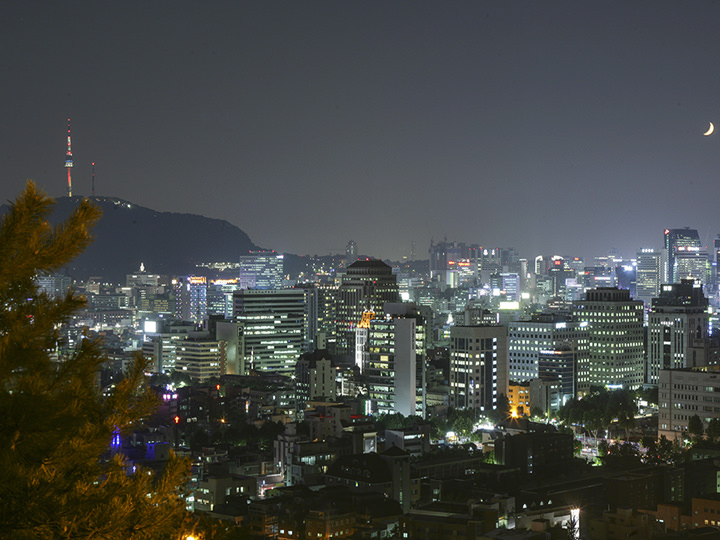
(527, 339)
(679, 241)
(648, 275)
(69, 161)
(261, 270)
(272, 328)
(616, 350)
(478, 366)
(191, 298)
(677, 325)
(365, 286)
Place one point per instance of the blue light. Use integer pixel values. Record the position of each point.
(116, 439)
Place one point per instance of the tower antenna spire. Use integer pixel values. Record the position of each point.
(93, 178)
(69, 161)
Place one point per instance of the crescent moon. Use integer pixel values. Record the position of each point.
(710, 130)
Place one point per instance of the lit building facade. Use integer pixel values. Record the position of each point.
(683, 393)
(200, 359)
(160, 339)
(315, 378)
(272, 328)
(616, 354)
(393, 360)
(261, 270)
(526, 339)
(648, 277)
(478, 366)
(54, 285)
(692, 263)
(519, 398)
(366, 285)
(678, 241)
(219, 296)
(558, 366)
(191, 298)
(677, 323)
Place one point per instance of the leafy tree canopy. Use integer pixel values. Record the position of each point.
(57, 477)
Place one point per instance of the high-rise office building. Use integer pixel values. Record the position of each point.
(558, 366)
(649, 271)
(219, 297)
(272, 328)
(191, 298)
(526, 340)
(683, 393)
(692, 263)
(616, 355)
(261, 270)
(715, 265)
(393, 357)
(200, 358)
(366, 285)
(160, 338)
(511, 286)
(315, 378)
(678, 241)
(54, 285)
(454, 261)
(560, 272)
(626, 277)
(230, 332)
(677, 324)
(478, 366)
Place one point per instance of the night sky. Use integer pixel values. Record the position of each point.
(553, 127)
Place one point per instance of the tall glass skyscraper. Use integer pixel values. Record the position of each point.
(261, 270)
(679, 242)
(648, 275)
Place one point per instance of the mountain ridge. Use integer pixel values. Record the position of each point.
(129, 234)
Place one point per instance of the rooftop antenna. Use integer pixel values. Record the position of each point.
(93, 178)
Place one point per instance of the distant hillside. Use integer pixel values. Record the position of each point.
(166, 242)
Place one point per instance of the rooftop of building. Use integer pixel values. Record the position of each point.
(369, 263)
(316, 356)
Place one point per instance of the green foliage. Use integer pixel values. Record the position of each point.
(502, 412)
(577, 447)
(57, 479)
(537, 412)
(650, 395)
(599, 409)
(462, 421)
(395, 421)
(695, 426)
(713, 429)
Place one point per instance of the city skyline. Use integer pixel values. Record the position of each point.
(557, 129)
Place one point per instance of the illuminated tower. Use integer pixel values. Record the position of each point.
(69, 160)
(616, 348)
(683, 242)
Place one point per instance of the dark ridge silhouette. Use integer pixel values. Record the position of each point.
(166, 242)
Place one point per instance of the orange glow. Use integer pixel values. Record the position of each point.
(366, 318)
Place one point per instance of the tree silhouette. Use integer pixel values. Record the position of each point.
(695, 426)
(57, 478)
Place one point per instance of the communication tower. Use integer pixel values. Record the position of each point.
(69, 161)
